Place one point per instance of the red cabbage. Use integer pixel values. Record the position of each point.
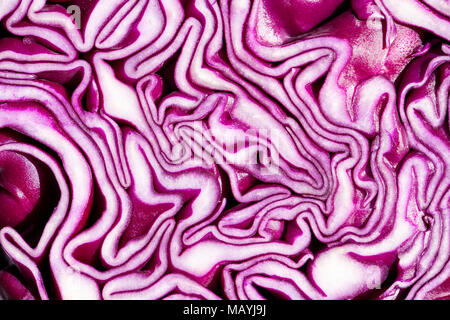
(230, 149)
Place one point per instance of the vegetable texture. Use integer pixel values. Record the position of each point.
(230, 149)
